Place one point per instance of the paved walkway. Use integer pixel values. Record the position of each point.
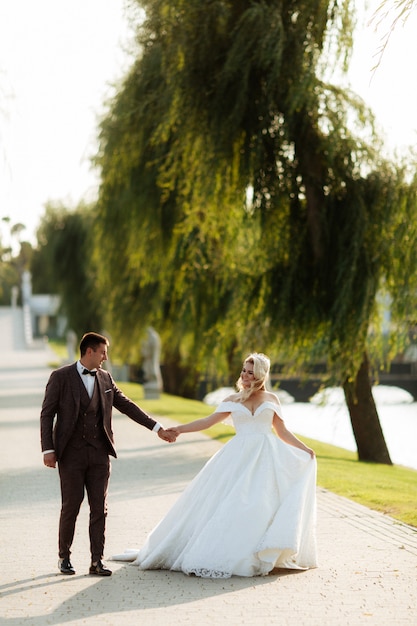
(368, 562)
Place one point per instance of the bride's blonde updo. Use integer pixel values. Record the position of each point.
(261, 365)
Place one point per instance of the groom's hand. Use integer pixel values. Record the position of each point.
(174, 430)
(167, 435)
(49, 459)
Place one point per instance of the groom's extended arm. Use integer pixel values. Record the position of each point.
(125, 405)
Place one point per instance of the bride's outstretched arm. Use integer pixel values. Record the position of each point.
(287, 436)
(200, 424)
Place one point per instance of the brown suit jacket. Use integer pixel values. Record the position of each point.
(61, 407)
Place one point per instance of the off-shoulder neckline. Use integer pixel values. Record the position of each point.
(239, 404)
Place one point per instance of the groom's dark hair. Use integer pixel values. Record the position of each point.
(92, 340)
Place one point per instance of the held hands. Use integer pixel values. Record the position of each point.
(167, 435)
(174, 430)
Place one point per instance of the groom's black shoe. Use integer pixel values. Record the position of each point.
(65, 566)
(98, 569)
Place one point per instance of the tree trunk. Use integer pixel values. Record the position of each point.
(364, 417)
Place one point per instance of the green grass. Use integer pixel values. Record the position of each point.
(59, 346)
(390, 489)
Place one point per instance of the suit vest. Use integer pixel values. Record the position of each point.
(89, 427)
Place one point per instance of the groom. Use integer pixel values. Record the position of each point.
(76, 433)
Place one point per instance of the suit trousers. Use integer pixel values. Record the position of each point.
(83, 469)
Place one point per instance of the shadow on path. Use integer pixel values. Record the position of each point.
(130, 589)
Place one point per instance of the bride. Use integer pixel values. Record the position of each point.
(252, 507)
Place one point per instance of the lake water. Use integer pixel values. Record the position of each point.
(331, 423)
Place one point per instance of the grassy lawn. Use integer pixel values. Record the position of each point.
(388, 489)
(59, 347)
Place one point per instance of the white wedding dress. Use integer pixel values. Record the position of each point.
(250, 509)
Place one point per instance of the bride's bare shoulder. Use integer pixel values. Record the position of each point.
(234, 397)
(271, 397)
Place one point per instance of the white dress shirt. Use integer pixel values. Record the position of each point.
(87, 379)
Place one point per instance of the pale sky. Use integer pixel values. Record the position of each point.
(391, 90)
(58, 59)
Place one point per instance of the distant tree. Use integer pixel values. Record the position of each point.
(9, 277)
(63, 264)
(15, 257)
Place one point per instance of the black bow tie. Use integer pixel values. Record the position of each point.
(91, 372)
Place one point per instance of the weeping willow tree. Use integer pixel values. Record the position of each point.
(244, 204)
